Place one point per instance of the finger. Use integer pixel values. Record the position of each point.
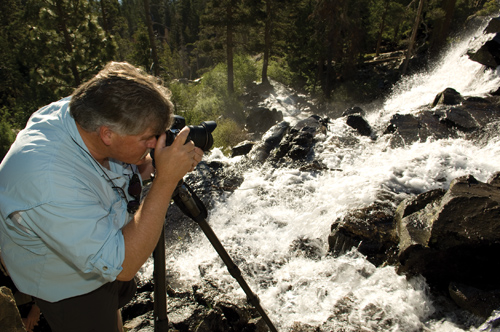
(198, 155)
(161, 141)
(181, 136)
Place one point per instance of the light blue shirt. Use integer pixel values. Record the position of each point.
(60, 218)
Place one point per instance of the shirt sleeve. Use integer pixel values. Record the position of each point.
(84, 228)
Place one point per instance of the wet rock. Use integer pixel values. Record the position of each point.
(495, 180)
(10, 319)
(242, 149)
(465, 116)
(143, 303)
(309, 248)
(360, 124)
(301, 327)
(453, 236)
(355, 110)
(403, 128)
(492, 323)
(448, 96)
(478, 301)
(261, 119)
(407, 129)
(270, 141)
(460, 119)
(200, 309)
(372, 230)
(298, 143)
(488, 53)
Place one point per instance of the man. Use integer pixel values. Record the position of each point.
(68, 233)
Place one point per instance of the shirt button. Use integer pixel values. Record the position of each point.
(105, 268)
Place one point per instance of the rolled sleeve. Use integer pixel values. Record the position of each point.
(108, 268)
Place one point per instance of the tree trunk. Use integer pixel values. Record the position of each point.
(441, 32)
(155, 70)
(381, 28)
(267, 42)
(229, 49)
(104, 18)
(61, 16)
(409, 52)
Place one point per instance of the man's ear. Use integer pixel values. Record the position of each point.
(106, 135)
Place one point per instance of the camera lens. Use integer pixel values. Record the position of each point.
(202, 135)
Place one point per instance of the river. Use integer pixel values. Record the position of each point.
(260, 222)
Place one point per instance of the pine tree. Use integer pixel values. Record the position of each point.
(70, 44)
(220, 24)
(13, 84)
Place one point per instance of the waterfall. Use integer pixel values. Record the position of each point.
(263, 222)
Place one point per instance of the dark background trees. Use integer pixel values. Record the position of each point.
(48, 47)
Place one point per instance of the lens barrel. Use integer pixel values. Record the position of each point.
(200, 135)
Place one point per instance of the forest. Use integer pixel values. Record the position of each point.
(208, 51)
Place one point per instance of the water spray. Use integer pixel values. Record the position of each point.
(193, 207)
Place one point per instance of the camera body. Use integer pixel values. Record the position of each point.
(200, 135)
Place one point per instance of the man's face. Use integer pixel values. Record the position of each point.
(133, 149)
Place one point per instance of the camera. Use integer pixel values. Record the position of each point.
(200, 135)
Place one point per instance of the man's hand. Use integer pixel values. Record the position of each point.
(146, 169)
(142, 233)
(176, 160)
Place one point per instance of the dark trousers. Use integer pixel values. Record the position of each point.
(92, 312)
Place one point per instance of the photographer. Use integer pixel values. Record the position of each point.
(73, 232)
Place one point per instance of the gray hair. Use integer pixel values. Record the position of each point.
(125, 99)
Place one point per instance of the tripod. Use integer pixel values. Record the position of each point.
(192, 206)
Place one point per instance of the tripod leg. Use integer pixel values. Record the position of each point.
(160, 292)
(235, 272)
(185, 200)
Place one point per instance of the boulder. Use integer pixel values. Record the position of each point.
(298, 143)
(488, 53)
(242, 149)
(261, 119)
(10, 319)
(357, 122)
(480, 302)
(270, 140)
(453, 237)
(371, 230)
(406, 129)
(355, 110)
(448, 96)
(459, 118)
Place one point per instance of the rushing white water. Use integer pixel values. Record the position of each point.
(259, 223)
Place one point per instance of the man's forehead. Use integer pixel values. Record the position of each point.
(149, 132)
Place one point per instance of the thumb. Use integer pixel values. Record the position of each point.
(182, 136)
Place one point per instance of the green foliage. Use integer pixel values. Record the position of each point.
(7, 137)
(48, 47)
(490, 7)
(141, 54)
(14, 86)
(389, 22)
(279, 71)
(228, 134)
(182, 98)
(71, 46)
(209, 100)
